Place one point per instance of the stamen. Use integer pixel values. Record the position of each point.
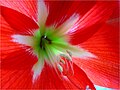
(61, 60)
(60, 68)
(67, 67)
(69, 53)
(66, 56)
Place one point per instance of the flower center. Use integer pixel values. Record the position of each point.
(51, 46)
(44, 39)
(49, 43)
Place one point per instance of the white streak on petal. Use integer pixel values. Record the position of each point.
(68, 24)
(37, 69)
(81, 53)
(21, 39)
(42, 12)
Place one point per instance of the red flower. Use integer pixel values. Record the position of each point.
(59, 45)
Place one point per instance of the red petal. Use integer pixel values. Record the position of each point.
(13, 55)
(104, 44)
(116, 11)
(80, 79)
(27, 8)
(92, 21)
(18, 21)
(15, 60)
(15, 79)
(60, 11)
(22, 79)
(50, 80)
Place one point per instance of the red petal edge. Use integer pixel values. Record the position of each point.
(104, 70)
(92, 21)
(80, 79)
(21, 23)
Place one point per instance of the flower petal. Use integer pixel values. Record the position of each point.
(21, 39)
(18, 21)
(28, 8)
(80, 79)
(49, 79)
(22, 79)
(37, 68)
(115, 13)
(91, 22)
(104, 44)
(15, 79)
(42, 12)
(12, 53)
(60, 11)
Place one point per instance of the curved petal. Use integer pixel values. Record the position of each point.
(80, 79)
(22, 79)
(18, 21)
(115, 13)
(91, 22)
(28, 8)
(15, 79)
(104, 44)
(76, 75)
(60, 11)
(49, 79)
(11, 52)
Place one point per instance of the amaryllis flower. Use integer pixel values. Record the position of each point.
(59, 44)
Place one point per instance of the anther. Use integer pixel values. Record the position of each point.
(69, 53)
(66, 56)
(60, 68)
(61, 60)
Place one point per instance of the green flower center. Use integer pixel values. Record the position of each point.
(47, 40)
(51, 45)
(44, 39)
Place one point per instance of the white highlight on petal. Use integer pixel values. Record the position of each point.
(21, 39)
(103, 88)
(81, 53)
(37, 69)
(68, 24)
(42, 12)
